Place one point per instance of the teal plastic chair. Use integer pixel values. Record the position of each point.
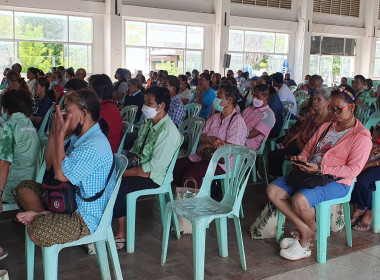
(375, 115)
(300, 85)
(128, 114)
(285, 165)
(293, 88)
(202, 209)
(45, 122)
(372, 102)
(372, 122)
(376, 208)
(102, 238)
(323, 214)
(138, 125)
(62, 99)
(260, 153)
(163, 192)
(287, 105)
(193, 110)
(284, 128)
(362, 113)
(300, 100)
(299, 92)
(191, 128)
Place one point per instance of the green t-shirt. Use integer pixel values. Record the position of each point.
(20, 146)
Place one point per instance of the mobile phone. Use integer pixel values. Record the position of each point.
(299, 162)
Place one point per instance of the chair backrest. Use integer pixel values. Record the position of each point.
(287, 105)
(44, 124)
(375, 115)
(62, 99)
(239, 161)
(300, 100)
(169, 174)
(299, 92)
(193, 110)
(293, 88)
(300, 85)
(260, 151)
(41, 172)
(372, 122)
(128, 113)
(372, 101)
(192, 128)
(362, 112)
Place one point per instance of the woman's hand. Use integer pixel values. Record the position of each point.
(309, 167)
(60, 123)
(201, 147)
(299, 157)
(218, 143)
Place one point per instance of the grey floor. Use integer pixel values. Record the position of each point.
(362, 261)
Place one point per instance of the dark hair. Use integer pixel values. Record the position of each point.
(195, 71)
(245, 75)
(61, 69)
(315, 78)
(15, 77)
(218, 77)
(102, 86)
(231, 91)
(212, 72)
(43, 82)
(127, 73)
(231, 80)
(135, 82)
(264, 89)
(142, 77)
(173, 82)
(17, 68)
(76, 84)
(58, 74)
(161, 95)
(70, 71)
(344, 79)
(121, 72)
(207, 77)
(183, 78)
(278, 78)
(360, 77)
(15, 101)
(33, 71)
(345, 92)
(188, 73)
(268, 80)
(369, 83)
(41, 73)
(155, 74)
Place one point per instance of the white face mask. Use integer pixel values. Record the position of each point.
(149, 112)
(257, 103)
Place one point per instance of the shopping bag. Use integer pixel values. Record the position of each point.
(185, 193)
(265, 225)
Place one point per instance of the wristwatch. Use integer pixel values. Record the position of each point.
(1, 193)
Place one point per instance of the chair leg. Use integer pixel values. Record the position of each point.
(347, 220)
(328, 228)
(131, 223)
(101, 256)
(161, 201)
(112, 251)
(175, 219)
(279, 226)
(254, 176)
(265, 170)
(241, 211)
(240, 243)
(199, 243)
(50, 261)
(221, 230)
(165, 237)
(322, 222)
(30, 248)
(376, 208)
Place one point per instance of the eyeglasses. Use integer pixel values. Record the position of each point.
(338, 111)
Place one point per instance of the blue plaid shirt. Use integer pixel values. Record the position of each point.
(87, 164)
(176, 111)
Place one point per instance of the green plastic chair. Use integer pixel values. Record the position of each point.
(372, 101)
(300, 85)
(375, 115)
(300, 100)
(362, 113)
(138, 125)
(45, 122)
(376, 208)
(323, 213)
(287, 105)
(372, 122)
(260, 153)
(164, 191)
(300, 93)
(192, 128)
(284, 128)
(193, 110)
(101, 237)
(62, 99)
(202, 209)
(376, 83)
(293, 88)
(285, 165)
(128, 114)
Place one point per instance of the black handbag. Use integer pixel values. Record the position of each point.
(303, 180)
(134, 159)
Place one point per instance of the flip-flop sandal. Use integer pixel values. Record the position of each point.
(359, 225)
(120, 243)
(355, 220)
(3, 255)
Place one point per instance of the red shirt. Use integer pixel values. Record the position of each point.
(111, 114)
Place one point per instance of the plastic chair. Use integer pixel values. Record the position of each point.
(362, 112)
(45, 122)
(375, 115)
(300, 85)
(287, 105)
(262, 154)
(300, 100)
(372, 122)
(101, 237)
(202, 209)
(164, 190)
(284, 128)
(62, 99)
(376, 208)
(138, 125)
(193, 110)
(128, 114)
(293, 88)
(372, 101)
(299, 92)
(323, 213)
(192, 127)
(285, 165)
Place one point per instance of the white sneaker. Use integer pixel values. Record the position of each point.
(285, 243)
(295, 252)
(4, 275)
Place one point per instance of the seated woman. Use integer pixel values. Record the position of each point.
(16, 82)
(86, 163)
(216, 80)
(32, 75)
(226, 127)
(184, 92)
(121, 86)
(157, 142)
(102, 85)
(44, 103)
(19, 144)
(205, 95)
(362, 194)
(295, 141)
(342, 153)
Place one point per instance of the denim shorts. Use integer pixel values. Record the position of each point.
(317, 195)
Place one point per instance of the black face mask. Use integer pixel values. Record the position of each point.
(78, 129)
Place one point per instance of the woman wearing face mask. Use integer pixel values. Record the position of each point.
(157, 141)
(19, 144)
(184, 92)
(305, 85)
(226, 127)
(259, 118)
(44, 102)
(85, 159)
(342, 152)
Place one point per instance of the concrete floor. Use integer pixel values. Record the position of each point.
(362, 261)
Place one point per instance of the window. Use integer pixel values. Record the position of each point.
(257, 52)
(377, 60)
(44, 40)
(337, 7)
(156, 46)
(332, 58)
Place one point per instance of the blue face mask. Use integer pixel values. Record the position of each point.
(217, 105)
(312, 92)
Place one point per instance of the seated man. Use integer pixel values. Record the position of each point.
(289, 82)
(259, 118)
(177, 110)
(284, 92)
(135, 96)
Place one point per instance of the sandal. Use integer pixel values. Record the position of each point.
(120, 242)
(355, 220)
(359, 227)
(3, 255)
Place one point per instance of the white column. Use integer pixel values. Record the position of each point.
(222, 21)
(113, 37)
(303, 37)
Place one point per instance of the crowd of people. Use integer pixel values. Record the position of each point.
(327, 138)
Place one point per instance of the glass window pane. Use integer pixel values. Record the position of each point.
(348, 65)
(195, 37)
(326, 69)
(332, 46)
(79, 57)
(258, 61)
(314, 65)
(41, 55)
(377, 68)
(282, 43)
(6, 23)
(80, 29)
(41, 27)
(275, 63)
(236, 40)
(193, 60)
(236, 61)
(6, 55)
(350, 47)
(315, 47)
(170, 60)
(165, 35)
(259, 42)
(137, 59)
(135, 33)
